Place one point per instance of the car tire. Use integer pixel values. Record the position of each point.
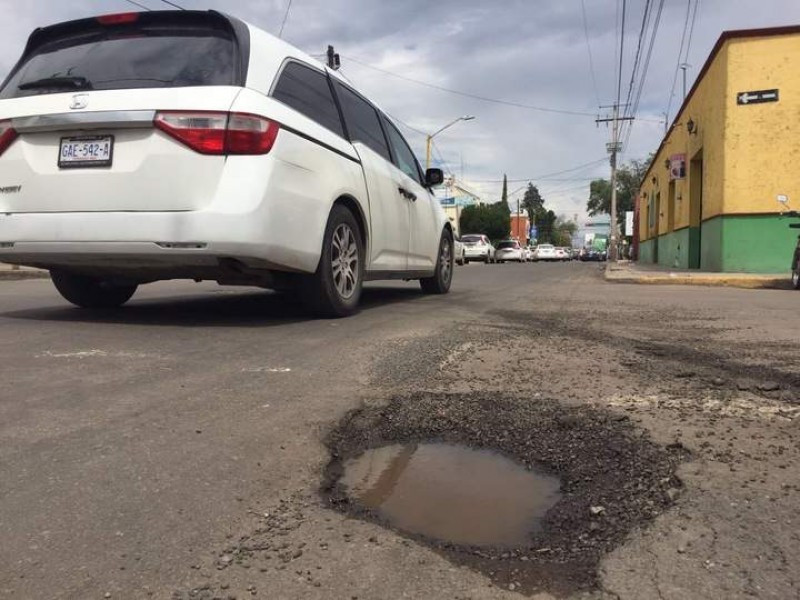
(796, 278)
(90, 292)
(334, 290)
(442, 277)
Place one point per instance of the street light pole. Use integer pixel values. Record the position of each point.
(430, 137)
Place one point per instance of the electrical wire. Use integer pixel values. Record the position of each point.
(285, 17)
(473, 96)
(546, 175)
(589, 50)
(691, 30)
(137, 4)
(173, 4)
(621, 52)
(680, 54)
(634, 108)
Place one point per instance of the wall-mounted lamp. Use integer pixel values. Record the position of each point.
(667, 163)
(653, 180)
(691, 127)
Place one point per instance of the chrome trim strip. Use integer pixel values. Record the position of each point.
(127, 119)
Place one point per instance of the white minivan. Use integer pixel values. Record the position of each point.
(139, 147)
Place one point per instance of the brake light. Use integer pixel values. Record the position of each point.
(7, 135)
(118, 19)
(218, 132)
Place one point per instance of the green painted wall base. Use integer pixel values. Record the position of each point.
(731, 244)
(646, 249)
(673, 249)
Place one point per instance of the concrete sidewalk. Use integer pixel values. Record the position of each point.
(14, 273)
(632, 272)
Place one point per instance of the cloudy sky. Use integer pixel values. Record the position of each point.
(528, 52)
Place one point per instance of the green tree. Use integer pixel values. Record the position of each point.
(629, 178)
(492, 220)
(504, 194)
(532, 201)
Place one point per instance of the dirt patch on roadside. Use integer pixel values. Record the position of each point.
(614, 478)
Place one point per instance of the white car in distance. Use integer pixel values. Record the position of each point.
(477, 247)
(509, 250)
(544, 252)
(139, 147)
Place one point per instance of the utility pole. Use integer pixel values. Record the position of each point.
(684, 66)
(333, 59)
(614, 147)
(518, 235)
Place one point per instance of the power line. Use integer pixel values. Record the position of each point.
(546, 175)
(173, 4)
(469, 95)
(589, 50)
(645, 68)
(691, 31)
(137, 4)
(680, 54)
(285, 17)
(621, 52)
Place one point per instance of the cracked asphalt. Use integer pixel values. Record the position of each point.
(176, 448)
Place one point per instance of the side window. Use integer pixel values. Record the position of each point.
(362, 121)
(308, 91)
(403, 156)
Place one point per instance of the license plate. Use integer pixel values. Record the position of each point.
(87, 151)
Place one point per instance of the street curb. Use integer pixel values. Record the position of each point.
(745, 281)
(20, 274)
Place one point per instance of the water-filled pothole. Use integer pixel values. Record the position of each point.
(452, 493)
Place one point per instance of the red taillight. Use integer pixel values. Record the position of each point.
(218, 132)
(7, 135)
(250, 134)
(118, 19)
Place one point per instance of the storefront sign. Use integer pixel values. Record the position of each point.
(677, 166)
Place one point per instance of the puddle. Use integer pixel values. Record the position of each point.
(452, 493)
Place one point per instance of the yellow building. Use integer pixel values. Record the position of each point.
(709, 199)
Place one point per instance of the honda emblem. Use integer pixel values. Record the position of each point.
(79, 101)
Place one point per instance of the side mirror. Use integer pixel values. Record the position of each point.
(433, 177)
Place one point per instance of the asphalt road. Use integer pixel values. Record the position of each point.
(138, 445)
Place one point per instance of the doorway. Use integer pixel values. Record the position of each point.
(695, 209)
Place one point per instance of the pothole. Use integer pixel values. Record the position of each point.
(452, 493)
(391, 464)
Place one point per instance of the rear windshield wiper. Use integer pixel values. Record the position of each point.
(70, 82)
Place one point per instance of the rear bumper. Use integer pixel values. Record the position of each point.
(155, 241)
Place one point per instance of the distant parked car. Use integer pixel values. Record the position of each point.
(477, 247)
(561, 254)
(544, 252)
(509, 250)
(458, 251)
(592, 255)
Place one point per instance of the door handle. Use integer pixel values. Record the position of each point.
(410, 195)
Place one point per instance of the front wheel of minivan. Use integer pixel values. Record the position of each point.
(335, 289)
(89, 292)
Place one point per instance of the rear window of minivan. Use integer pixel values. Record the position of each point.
(126, 58)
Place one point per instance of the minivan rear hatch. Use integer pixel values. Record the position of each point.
(80, 106)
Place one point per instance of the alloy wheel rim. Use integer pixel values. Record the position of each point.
(445, 262)
(344, 260)
(795, 277)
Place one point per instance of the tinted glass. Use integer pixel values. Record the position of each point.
(502, 245)
(307, 91)
(471, 238)
(403, 156)
(152, 59)
(362, 121)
